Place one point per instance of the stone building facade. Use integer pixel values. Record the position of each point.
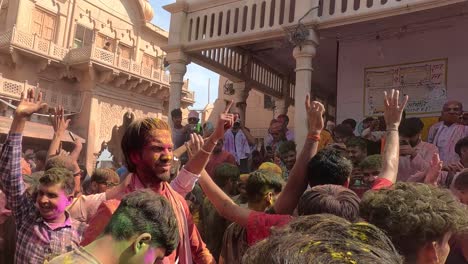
(100, 59)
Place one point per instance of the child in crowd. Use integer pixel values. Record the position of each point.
(44, 229)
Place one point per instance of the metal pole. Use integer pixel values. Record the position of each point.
(209, 88)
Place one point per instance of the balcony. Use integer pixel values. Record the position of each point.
(30, 43)
(102, 57)
(223, 23)
(71, 101)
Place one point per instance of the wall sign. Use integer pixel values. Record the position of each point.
(425, 83)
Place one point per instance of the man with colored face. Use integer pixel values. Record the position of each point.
(148, 151)
(448, 131)
(149, 235)
(44, 229)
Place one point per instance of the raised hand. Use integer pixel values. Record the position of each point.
(393, 109)
(315, 112)
(58, 121)
(75, 154)
(29, 104)
(194, 144)
(225, 121)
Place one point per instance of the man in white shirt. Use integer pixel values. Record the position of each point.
(448, 131)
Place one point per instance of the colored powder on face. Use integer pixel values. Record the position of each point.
(163, 136)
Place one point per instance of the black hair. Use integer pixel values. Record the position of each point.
(144, 211)
(462, 143)
(328, 166)
(357, 142)
(350, 122)
(410, 127)
(343, 130)
(260, 182)
(176, 113)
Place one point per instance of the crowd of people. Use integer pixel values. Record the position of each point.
(372, 192)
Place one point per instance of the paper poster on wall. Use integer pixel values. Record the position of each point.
(424, 82)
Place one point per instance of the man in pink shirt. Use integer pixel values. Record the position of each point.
(415, 154)
(219, 156)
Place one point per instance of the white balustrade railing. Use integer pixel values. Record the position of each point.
(292, 91)
(347, 11)
(33, 43)
(92, 52)
(214, 23)
(239, 18)
(5, 38)
(125, 64)
(227, 57)
(12, 90)
(267, 77)
(103, 55)
(147, 71)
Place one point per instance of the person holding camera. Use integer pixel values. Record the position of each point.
(415, 154)
(236, 143)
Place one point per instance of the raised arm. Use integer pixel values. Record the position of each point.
(297, 182)
(200, 159)
(224, 205)
(10, 159)
(392, 115)
(60, 125)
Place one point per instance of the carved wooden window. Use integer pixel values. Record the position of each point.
(125, 51)
(105, 42)
(44, 24)
(149, 61)
(83, 36)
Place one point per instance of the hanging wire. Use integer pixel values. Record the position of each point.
(300, 32)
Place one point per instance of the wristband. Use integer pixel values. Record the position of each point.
(313, 137)
(392, 129)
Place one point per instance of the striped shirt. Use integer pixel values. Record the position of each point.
(37, 241)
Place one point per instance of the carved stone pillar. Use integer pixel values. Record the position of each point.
(303, 53)
(241, 93)
(178, 67)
